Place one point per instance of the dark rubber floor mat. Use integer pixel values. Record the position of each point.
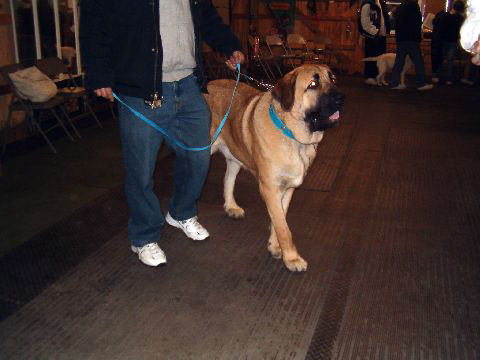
(388, 219)
(214, 300)
(29, 269)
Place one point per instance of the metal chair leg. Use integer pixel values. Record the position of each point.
(69, 121)
(113, 112)
(5, 131)
(90, 110)
(60, 122)
(268, 70)
(37, 126)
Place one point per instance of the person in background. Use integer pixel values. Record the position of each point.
(471, 76)
(450, 34)
(150, 53)
(374, 25)
(470, 32)
(436, 46)
(408, 34)
(475, 50)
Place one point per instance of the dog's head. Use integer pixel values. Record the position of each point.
(309, 94)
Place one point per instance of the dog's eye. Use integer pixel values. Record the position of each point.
(332, 77)
(313, 84)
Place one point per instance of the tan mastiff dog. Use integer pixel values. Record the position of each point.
(306, 102)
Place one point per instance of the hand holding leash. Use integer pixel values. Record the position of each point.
(105, 93)
(234, 60)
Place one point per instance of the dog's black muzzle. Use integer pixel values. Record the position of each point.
(327, 111)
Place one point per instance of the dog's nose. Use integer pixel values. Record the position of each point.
(338, 98)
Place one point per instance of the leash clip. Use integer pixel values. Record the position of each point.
(154, 102)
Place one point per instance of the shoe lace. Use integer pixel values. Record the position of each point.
(153, 248)
(193, 224)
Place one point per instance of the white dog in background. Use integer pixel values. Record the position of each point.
(385, 63)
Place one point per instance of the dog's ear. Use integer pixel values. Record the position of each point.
(284, 91)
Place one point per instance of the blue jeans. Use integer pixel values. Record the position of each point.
(472, 72)
(185, 116)
(412, 49)
(449, 51)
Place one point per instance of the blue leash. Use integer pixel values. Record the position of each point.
(175, 141)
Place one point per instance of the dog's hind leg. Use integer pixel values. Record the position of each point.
(382, 80)
(273, 245)
(382, 70)
(273, 197)
(231, 207)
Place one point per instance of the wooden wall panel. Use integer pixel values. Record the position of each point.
(337, 24)
(241, 20)
(7, 56)
(434, 6)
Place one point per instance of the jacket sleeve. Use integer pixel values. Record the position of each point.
(437, 20)
(367, 24)
(96, 40)
(217, 34)
(417, 17)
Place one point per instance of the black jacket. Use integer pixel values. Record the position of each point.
(438, 27)
(450, 27)
(122, 48)
(408, 22)
(375, 16)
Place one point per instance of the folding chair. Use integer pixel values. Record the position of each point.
(19, 104)
(322, 48)
(279, 52)
(298, 45)
(53, 67)
(258, 58)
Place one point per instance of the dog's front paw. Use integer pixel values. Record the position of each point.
(235, 212)
(296, 264)
(275, 250)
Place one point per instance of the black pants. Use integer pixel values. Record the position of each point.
(374, 47)
(437, 57)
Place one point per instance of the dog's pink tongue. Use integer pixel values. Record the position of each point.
(335, 116)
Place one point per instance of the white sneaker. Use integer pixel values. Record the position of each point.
(425, 87)
(448, 82)
(399, 87)
(191, 227)
(467, 82)
(371, 81)
(150, 254)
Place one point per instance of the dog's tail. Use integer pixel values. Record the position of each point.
(370, 58)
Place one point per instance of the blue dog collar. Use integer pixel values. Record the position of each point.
(279, 123)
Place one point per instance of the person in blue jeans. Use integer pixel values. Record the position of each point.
(149, 52)
(408, 34)
(450, 34)
(436, 46)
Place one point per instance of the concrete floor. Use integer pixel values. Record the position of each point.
(388, 219)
